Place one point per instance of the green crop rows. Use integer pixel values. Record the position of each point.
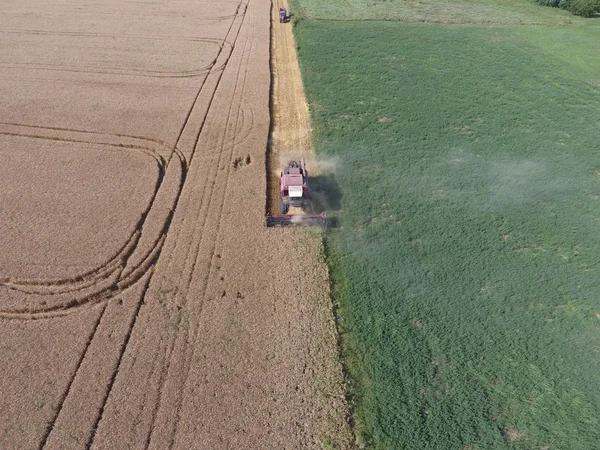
(467, 249)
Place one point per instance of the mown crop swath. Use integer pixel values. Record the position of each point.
(466, 257)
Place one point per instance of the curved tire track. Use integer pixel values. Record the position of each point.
(57, 297)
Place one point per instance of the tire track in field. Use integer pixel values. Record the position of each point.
(82, 279)
(138, 383)
(199, 232)
(187, 159)
(162, 37)
(50, 425)
(108, 70)
(57, 297)
(92, 440)
(130, 72)
(190, 349)
(185, 354)
(51, 437)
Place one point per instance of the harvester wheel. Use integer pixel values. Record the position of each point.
(283, 207)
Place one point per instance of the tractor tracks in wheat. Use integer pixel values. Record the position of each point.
(181, 328)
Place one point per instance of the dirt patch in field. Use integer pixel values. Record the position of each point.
(143, 302)
(513, 436)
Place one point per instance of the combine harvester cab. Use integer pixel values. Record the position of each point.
(295, 193)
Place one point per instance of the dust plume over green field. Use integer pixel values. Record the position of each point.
(467, 252)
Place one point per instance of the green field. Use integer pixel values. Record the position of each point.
(466, 256)
(436, 11)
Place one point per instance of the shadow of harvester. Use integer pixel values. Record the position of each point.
(326, 194)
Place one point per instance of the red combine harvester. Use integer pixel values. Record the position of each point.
(295, 194)
(284, 17)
